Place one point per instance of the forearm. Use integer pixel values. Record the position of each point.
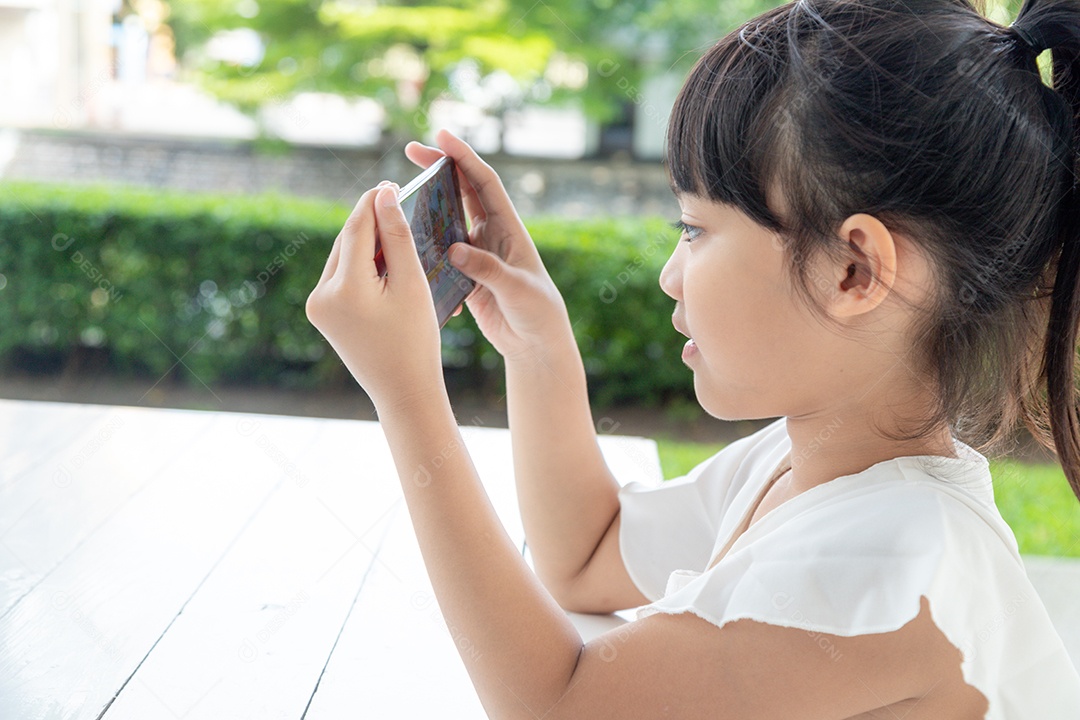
(566, 493)
(523, 649)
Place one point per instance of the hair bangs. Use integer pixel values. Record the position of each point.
(723, 132)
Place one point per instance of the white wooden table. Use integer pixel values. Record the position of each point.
(183, 564)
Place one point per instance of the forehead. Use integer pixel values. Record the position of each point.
(681, 194)
(700, 202)
(775, 199)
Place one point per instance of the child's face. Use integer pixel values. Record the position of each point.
(760, 351)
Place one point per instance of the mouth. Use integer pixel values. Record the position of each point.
(678, 327)
(690, 349)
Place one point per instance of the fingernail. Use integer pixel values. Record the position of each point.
(388, 195)
(457, 254)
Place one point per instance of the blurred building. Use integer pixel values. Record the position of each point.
(108, 66)
(92, 64)
(55, 60)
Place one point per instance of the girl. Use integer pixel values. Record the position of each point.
(880, 247)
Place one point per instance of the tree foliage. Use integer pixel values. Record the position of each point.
(404, 54)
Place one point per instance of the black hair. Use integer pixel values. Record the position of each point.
(935, 120)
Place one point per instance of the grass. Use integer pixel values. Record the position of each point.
(1035, 500)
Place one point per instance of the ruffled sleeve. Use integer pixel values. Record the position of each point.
(852, 557)
(675, 524)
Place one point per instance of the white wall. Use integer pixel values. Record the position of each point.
(54, 60)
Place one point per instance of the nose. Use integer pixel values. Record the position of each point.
(671, 276)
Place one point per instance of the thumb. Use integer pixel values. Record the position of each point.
(482, 266)
(395, 235)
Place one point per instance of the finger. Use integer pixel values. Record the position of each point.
(484, 267)
(479, 299)
(399, 249)
(357, 238)
(457, 312)
(379, 260)
(335, 253)
(331, 261)
(422, 155)
(482, 183)
(425, 155)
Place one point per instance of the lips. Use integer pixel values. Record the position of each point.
(690, 350)
(679, 327)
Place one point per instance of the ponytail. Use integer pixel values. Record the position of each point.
(1055, 25)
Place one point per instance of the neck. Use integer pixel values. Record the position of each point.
(828, 445)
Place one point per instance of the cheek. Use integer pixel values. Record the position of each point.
(743, 325)
(727, 312)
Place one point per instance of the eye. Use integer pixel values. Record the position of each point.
(690, 232)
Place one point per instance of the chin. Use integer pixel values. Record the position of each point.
(731, 409)
(721, 409)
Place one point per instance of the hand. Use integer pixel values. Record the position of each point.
(515, 302)
(384, 329)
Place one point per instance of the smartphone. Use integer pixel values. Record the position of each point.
(432, 205)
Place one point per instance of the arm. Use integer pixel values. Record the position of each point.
(526, 647)
(568, 497)
(525, 658)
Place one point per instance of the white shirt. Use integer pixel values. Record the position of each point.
(853, 556)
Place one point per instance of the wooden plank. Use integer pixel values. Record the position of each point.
(632, 458)
(72, 492)
(396, 658)
(73, 641)
(276, 591)
(31, 433)
(491, 450)
(396, 641)
(253, 641)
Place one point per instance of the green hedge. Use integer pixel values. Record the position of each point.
(211, 289)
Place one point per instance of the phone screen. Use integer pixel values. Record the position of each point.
(432, 205)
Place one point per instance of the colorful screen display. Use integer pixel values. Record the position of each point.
(432, 203)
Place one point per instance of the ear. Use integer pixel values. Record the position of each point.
(868, 274)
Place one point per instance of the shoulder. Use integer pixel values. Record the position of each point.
(905, 502)
(850, 559)
(732, 466)
(902, 512)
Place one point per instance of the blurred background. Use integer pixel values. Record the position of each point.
(195, 95)
(172, 175)
(300, 106)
